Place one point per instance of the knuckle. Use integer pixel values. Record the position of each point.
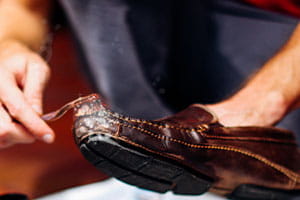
(14, 61)
(45, 69)
(33, 55)
(35, 98)
(41, 67)
(37, 59)
(16, 110)
(29, 141)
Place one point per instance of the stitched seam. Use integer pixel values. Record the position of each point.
(290, 174)
(292, 183)
(125, 140)
(200, 130)
(293, 176)
(248, 139)
(181, 128)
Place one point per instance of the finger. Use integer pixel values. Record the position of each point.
(11, 133)
(37, 76)
(20, 110)
(5, 140)
(20, 135)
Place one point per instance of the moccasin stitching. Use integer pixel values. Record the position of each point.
(201, 130)
(292, 175)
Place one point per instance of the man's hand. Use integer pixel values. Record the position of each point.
(249, 111)
(23, 76)
(269, 94)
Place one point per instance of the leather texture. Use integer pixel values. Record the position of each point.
(231, 156)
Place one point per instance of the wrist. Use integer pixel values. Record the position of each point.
(8, 46)
(16, 17)
(11, 41)
(14, 42)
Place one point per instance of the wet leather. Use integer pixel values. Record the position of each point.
(264, 156)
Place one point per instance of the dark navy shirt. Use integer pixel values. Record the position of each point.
(150, 58)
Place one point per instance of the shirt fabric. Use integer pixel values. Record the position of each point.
(289, 7)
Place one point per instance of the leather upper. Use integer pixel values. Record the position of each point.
(264, 156)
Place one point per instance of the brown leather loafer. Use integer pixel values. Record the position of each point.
(189, 153)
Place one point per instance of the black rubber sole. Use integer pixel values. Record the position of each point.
(140, 169)
(13, 197)
(148, 171)
(251, 192)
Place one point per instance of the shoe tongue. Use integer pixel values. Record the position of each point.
(192, 116)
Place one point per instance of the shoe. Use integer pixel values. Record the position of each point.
(189, 153)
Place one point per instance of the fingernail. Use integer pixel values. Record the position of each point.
(48, 138)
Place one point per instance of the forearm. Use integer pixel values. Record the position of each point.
(270, 93)
(280, 76)
(24, 21)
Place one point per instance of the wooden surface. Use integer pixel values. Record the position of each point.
(40, 168)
